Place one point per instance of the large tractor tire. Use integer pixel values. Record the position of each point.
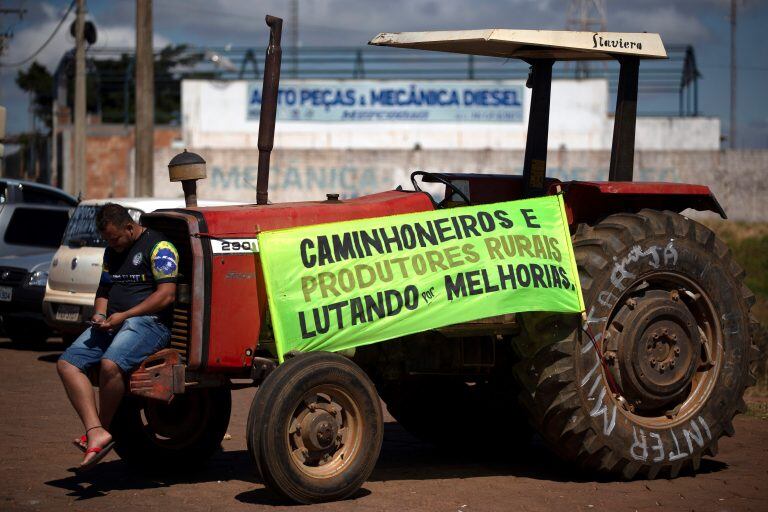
(183, 435)
(315, 428)
(461, 416)
(654, 377)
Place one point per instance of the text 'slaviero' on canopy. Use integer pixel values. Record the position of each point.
(346, 284)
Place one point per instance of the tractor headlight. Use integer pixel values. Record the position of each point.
(39, 278)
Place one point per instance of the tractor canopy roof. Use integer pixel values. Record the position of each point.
(531, 44)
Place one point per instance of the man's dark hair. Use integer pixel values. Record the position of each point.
(114, 214)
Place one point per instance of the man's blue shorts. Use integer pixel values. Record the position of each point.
(138, 338)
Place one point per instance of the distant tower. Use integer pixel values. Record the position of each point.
(587, 16)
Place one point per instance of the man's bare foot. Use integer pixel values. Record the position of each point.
(98, 437)
(81, 442)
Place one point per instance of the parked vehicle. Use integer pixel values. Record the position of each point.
(75, 271)
(647, 394)
(32, 220)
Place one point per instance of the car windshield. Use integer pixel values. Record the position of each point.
(81, 230)
(36, 227)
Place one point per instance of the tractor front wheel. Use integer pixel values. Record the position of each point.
(315, 428)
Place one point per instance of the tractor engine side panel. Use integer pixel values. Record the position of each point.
(238, 305)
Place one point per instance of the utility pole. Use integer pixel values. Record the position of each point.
(145, 100)
(8, 34)
(78, 183)
(732, 135)
(295, 36)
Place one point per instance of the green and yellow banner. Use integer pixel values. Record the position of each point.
(345, 284)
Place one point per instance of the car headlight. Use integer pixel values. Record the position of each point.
(38, 278)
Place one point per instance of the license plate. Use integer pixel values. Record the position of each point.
(67, 313)
(5, 293)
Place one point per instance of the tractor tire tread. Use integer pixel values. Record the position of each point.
(550, 392)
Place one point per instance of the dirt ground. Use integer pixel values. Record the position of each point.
(37, 425)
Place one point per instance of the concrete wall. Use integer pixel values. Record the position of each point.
(736, 177)
(215, 115)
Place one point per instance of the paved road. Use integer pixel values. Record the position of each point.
(37, 425)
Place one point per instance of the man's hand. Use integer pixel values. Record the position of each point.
(98, 318)
(113, 322)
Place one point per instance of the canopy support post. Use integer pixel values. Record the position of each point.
(535, 162)
(623, 147)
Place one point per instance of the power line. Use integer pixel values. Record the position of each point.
(50, 38)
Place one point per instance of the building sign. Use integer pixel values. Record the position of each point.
(346, 284)
(479, 101)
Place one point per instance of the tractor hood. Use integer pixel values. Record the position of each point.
(249, 220)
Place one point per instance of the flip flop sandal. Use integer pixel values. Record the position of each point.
(100, 454)
(82, 443)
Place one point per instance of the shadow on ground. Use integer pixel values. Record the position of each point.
(263, 496)
(53, 344)
(402, 458)
(49, 358)
(117, 475)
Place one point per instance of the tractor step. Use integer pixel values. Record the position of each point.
(159, 377)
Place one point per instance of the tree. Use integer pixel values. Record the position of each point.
(38, 82)
(116, 85)
(110, 85)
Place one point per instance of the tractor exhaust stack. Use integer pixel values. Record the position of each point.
(268, 106)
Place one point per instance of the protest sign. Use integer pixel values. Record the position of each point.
(346, 284)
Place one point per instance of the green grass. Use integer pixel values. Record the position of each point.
(749, 245)
(758, 410)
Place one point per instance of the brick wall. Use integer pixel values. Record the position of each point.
(109, 158)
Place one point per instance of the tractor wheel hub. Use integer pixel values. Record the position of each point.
(658, 349)
(318, 430)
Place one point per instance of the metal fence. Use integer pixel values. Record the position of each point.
(672, 83)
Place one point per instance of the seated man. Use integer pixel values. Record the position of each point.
(132, 319)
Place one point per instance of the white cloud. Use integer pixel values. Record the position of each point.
(29, 38)
(32, 33)
(350, 22)
(674, 26)
(124, 36)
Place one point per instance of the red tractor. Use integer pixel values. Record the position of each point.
(643, 385)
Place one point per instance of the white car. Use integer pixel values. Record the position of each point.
(76, 268)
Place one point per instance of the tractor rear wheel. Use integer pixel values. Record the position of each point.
(182, 435)
(655, 376)
(315, 428)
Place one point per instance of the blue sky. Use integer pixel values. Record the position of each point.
(702, 23)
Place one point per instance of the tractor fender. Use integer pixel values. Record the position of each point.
(590, 201)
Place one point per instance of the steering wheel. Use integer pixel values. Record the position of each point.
(439, 178)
